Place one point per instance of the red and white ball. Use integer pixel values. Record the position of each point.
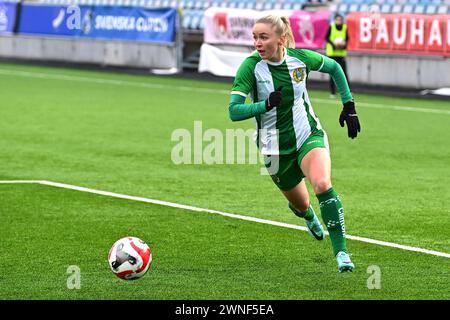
(130, 258)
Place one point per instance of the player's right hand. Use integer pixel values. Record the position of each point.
(274, 99)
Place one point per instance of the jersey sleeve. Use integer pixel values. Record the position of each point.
(313, 60)
(335, 71)
(244, 81)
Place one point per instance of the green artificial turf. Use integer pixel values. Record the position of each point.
(113, 132)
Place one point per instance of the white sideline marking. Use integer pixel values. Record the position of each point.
(19, 181)
(49, 76)
(390, 107)
(231, 215)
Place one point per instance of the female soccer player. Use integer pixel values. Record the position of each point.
(289, 134)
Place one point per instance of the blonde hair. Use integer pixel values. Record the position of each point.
(281, 25)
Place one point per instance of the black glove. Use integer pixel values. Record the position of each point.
(349, 116)
(274, 99)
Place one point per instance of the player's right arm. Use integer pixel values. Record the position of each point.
(243, 84)
(239, 110)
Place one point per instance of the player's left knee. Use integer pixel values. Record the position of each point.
(321, 185)
(302, 206)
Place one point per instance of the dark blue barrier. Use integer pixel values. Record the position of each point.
(100, 22)
(8, 12)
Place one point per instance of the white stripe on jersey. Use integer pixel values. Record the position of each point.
(239, 93)
(300, 118)
(321, 66)
(268, 135)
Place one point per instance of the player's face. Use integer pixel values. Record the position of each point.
(268, 44)
(338, 21)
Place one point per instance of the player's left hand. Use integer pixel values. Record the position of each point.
(349, 116)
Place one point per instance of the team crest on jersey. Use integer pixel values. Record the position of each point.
(299, 75)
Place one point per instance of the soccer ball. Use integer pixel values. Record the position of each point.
(130, 258)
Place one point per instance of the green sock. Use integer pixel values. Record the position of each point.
(333, 217)
(308, 215)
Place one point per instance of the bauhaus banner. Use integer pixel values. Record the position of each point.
(399, 33)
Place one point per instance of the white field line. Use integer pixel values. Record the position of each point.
(226, 214)
(389, 107)
(19, 181)
(49, 76)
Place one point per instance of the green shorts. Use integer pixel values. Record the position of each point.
(286, 172)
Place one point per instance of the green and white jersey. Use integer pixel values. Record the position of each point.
(283, 129)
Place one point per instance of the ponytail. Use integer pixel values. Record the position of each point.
(287, 30)
(281, 26)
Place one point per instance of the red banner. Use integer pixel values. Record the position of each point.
(399, 33)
